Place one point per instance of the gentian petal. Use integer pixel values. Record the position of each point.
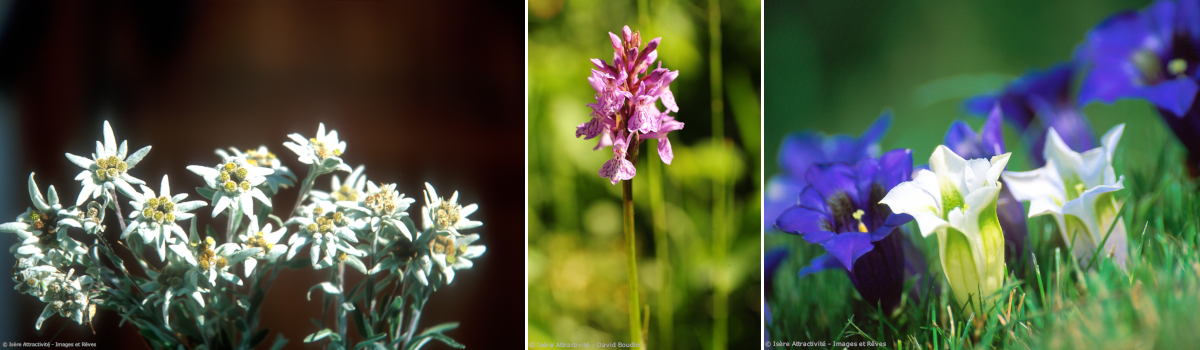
(848, 247)
(802, 220)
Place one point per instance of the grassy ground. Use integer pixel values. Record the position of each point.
(1048, 301)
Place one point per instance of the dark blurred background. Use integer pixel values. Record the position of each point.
(420, 91)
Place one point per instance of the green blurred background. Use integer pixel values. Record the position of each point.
(693, 256)
(834, 66)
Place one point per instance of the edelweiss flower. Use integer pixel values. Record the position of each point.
(1077, 189)
(179, 277)
(213, 261)
(454, 254)
(154, 217)
(66, 295)
(381, 206)
(234, 182)
(265, 240)
(42, 230)
(323, 151)
(281, 176)
(957, 200)
(328, 230)
(350, 189)
(108, 168)
(447, 215)
(421, 268)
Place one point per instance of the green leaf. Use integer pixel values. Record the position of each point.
(321, 335)
(206, 192)
(422, 339)
(329, 288)
(258, 337)
(440, 328)
(360, 323)
(280, 341)
(371, 341)
(255, 303)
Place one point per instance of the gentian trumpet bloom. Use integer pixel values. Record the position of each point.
(626, 109)
(840, 210)
(1152, 54)
(957, 200)
(803, 149)
(1077, 189)
(989, 142)
(1035, 102)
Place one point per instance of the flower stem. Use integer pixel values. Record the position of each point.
(662, 256)
(304, 188)
(117, 208)
(720, 190)
(416, 316)
(635, 317)
(341, 279)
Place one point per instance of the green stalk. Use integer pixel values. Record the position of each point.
(661, 244)
(720, 285)
(635, 313)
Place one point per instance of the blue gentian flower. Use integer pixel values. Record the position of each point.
(1152, 54)
(988, 143)
(801, 150)
(839, 209)
(1034, 103)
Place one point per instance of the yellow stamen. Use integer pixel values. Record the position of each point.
(858, 216)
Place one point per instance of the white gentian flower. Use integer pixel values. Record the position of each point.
(957, 200)
(350, 189)
(265, 240)
(42, 230)
(108, 169)
(453, 254)
(323, 151)
(328, 229)
(447, 215)
(1077, 189)
(154, 217)
(280, 177)
(234, 183)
